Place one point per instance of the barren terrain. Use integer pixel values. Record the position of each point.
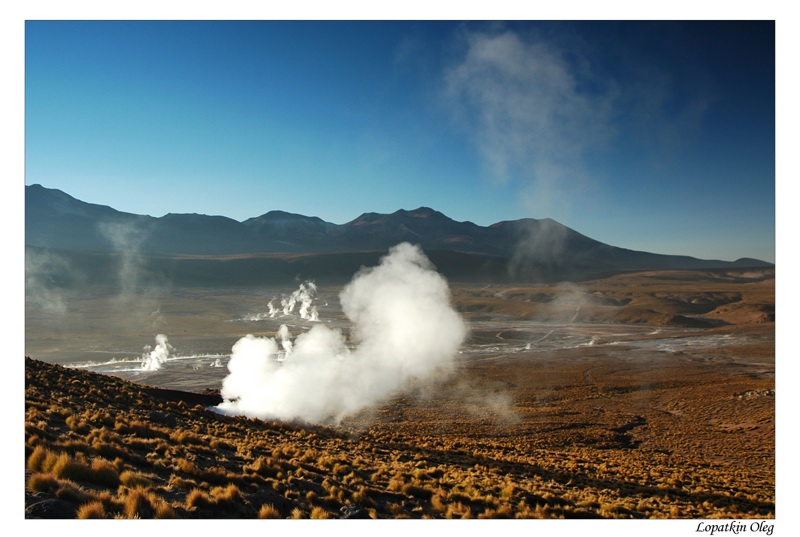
(644, 395)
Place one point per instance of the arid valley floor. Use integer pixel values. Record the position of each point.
(643, 395)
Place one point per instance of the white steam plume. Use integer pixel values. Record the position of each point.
(305, 295)
(127, 239)
(152, 359)
(404, 327)
(43, 271)
(285, 338)
(530, 111)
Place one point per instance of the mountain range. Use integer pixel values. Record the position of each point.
(522, 249)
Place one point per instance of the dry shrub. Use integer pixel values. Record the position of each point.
(33, 414)
(105, 418)
(40, 482)
(417, 491)
(42, 459)
(94, 509)
(187, 438)
(437, 502)
(504, 511)
(73, 493)
(32, 440)
(362, 496)
(140, 429)
(341, 469)
(134, 479)
(164, 510)
(456, 497)
(326, 461)
(186, 466)
(209, 475)
(396, 484)
(508, 491)
(285, 450)
(77, 425)
(100, 471)
(74, 446)
(310, 455)
(104, 473)
(458, 510)
(181, 483)
(139, 504)
(229, 493)
(525, 512)
(268, 511)
(199, 499)
(110, 502)
(222, 444)
(264, 467)
(66, 467)
(335, 493)
(217, 475)
(105, 435)
(110, 451)
(319, 513)
(395, 508)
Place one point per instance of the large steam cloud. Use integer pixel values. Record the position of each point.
(404, 329)
(531, 114)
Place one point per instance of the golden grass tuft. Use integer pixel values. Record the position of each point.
(319, 513)
(268, 511)
(41, 482)
(187, 438)
(138, 503)
(198, 498)
(132, 480)
(229, 493)
(65, 467)
(104, 473)
(164, 510)
(73, 493)
(94, 509)
(42, 459)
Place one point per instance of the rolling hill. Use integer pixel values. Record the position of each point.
(219, 248)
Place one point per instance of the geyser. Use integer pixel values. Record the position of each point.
(153, 358)
(305, 296)
(404, 329)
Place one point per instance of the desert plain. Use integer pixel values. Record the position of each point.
(635, 395)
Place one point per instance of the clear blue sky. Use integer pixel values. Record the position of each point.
(653, 136)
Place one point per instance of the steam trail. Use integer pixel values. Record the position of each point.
(41, 270)
(285, 337)
(127, 239)
(305, 295)
(152, 359)
(404, 327)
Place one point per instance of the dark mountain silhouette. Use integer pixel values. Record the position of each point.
(519, 249)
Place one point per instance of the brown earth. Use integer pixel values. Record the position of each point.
(588, 432)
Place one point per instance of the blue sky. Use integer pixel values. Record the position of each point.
(653, 136)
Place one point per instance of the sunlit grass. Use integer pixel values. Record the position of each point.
(109, 461)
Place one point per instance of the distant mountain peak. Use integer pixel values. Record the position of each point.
(54, 219)
(421, 212)
(284, 215)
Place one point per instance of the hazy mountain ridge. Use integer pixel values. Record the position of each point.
(530, 247)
